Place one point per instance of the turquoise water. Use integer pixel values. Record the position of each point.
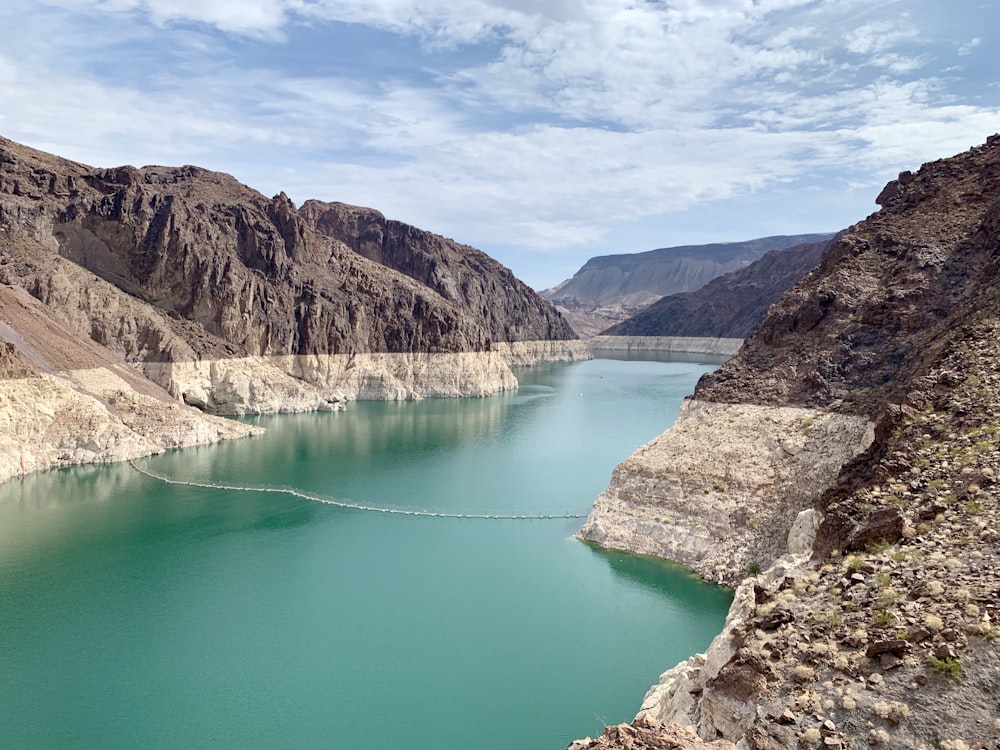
(135, 614)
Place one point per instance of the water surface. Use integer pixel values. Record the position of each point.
(138, 614)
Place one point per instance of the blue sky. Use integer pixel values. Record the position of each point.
(541, 132)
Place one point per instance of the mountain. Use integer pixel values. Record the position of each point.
(610, 288)
(730, 306)
(841, 472)
(235, 303)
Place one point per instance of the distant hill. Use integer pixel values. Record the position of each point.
(610, 288)
(730, 306)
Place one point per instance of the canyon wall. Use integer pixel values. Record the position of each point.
(841, 471)
(720, 489)
(136, 302)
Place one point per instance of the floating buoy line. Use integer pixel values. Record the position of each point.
(352, 505)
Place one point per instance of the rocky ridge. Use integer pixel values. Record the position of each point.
(730, 306)
(227, 301)
(881, 632)
(608, 289)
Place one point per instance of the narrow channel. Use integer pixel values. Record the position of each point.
(137, 613)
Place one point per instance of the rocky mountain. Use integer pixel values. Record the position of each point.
(730, 306)
(610, 288)
(236, 303)
(841, 472)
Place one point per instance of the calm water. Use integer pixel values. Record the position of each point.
(135, 614)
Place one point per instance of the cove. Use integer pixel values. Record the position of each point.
(140, 614)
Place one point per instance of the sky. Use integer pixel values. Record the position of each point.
(544, 132)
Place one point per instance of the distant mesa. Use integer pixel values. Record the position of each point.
(730, 306)
(609, 289)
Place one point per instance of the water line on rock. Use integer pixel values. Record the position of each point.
(357, 506)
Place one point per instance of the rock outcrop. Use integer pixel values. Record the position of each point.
(609, 289)
(649, 734)
(730, 306)
(720, 490)
(227, 301)
(884, 633)
(66, 400)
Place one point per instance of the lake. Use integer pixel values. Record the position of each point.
(139, 614)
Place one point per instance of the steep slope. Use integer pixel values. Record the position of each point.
(65, 399)
(870, 394)
(330, 277)
(730, 306)
(234, 303)
(610, 288)
(203, 269)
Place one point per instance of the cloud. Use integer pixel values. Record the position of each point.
(250, 17)
(968, 47)
(529, 124)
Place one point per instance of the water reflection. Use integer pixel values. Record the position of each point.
(268, 620)
(664, 578)
(81, 513)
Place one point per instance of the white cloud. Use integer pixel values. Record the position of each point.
(251, 17)
(574, 116)
(968, 47)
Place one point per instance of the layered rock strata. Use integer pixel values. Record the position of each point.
(885, 634)
(609, 289)
(719, 490)
(666, 344)
(197, 290)
(730, 306)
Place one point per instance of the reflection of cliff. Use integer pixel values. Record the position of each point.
(101, 510)
(686, 591)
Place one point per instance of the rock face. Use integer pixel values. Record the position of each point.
(882, 632)
(235, 303)
(610, 288)
(730, 306)
(719, 490)
(649, 734)
(66, 400)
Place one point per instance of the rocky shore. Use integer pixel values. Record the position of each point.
(135, 304)
(322, 382)
(876, 626)
(720, 490)
(109, 412)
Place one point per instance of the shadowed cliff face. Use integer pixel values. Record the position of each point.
(730, 306)
(610, 288)
(873, 315)
(254, 276)
(877, 627)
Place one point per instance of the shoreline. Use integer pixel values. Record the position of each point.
(111, 413)
(665, 344)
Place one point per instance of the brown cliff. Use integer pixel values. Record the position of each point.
(260, 275)
(730, 306)
(235, 303)
(884, 633)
